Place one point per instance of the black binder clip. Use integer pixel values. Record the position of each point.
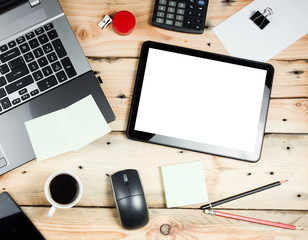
(261, 19)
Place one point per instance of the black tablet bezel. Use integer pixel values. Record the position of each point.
(190, 145)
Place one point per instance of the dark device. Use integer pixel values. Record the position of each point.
(186, 16)
(193, 100)
(129, 199)
(14, 224)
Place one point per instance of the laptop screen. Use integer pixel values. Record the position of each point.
(4, 4)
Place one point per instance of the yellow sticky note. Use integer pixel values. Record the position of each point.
(67, 129)
(184, 184)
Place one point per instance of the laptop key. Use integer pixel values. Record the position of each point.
(61, 76)
(34, 43)
(68, 67)
(12, 44)
(5, 102)
(39, 31)
(24, 48)
(43, 39)
(20, 40)
(19, 84)
(42, 61)
(57, 44)
(4, 69)
(52, 57)
(56, 66)
(38, 75)
(38, 52)
(47, 83)
(9, 55)
(17, 73)
(16, 62)
(30, 35)
(34, 92)
(47, 48)
(52, 34)
(47, 71)
(2, 93)
(3, 48)
(48, 26)
(2, 81)
(33, 66)
(29, 57)
(16, 101)
(25, 97)
(22, 91)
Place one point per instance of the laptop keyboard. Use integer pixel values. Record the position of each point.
(31, 65)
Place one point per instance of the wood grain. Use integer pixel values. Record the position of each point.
(119, 74)
(284, 157)
(84, 15)
(100, 223)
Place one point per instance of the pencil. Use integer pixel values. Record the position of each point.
(244, 194)
(253, 220)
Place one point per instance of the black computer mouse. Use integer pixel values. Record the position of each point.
(129, 199)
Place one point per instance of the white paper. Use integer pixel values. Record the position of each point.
(243, 38)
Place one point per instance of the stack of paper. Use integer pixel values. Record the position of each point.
(67, 129)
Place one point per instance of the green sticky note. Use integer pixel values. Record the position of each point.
(184, 184)
(67, 129)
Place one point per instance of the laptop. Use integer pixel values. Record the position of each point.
(42, 69)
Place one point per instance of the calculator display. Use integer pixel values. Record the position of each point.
(183, 16)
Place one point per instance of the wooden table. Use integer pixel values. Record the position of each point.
(115, 59)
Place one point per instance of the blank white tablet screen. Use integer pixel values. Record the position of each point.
(201, 100)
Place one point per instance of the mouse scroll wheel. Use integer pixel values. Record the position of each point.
(125, 178)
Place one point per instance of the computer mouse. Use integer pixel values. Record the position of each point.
(129, 199)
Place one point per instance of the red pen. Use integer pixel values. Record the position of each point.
(253, 220)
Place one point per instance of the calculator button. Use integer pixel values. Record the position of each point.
(180, 11)
(170, 15)
(161, 8)
(160, 14)
(159, 20)
(197, 20)
(172, 3)
(192, 1)
(200, 8)
(189, 13)
(190, 7)
(163, 2)
(201, 2)
(169, 22)
(179, 17)
(188, 22)
(178, 24)
(197, 27)
(171, 9)
(181, 5)
(199, 14)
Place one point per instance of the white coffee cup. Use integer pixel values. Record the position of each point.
(55, 204)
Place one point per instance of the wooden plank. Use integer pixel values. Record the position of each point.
(84, 16)
(283, 157)
(100, 223)
(119, 74)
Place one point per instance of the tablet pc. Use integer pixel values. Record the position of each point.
(200, 101)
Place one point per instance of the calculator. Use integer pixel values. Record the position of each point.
(180, 15)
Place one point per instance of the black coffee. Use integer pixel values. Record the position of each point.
(64, 189)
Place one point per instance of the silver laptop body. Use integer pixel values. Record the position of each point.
(42, 69)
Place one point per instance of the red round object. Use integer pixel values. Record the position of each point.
(123, 22)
